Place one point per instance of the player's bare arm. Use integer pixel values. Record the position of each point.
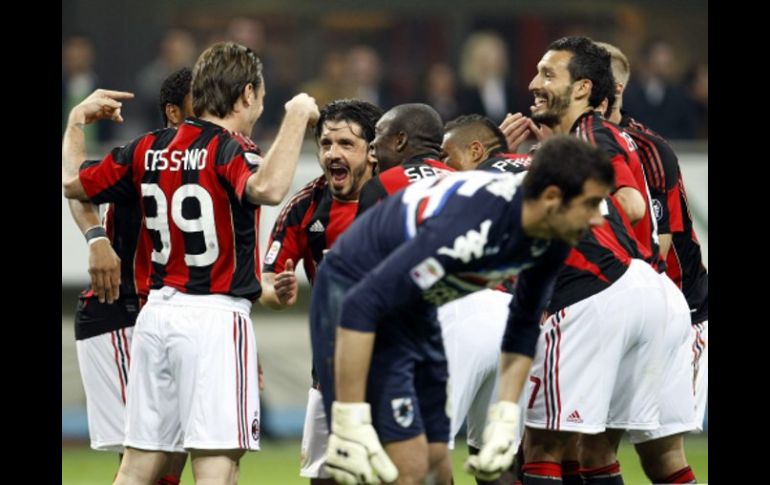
(269, 184)
(632, 202)
(103, 262)
(102, 104)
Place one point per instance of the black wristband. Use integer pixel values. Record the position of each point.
(95, 232)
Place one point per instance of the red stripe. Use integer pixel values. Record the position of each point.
(120, 370)
(245, 396)
(546, 382)
(126, 347)
(611, 469)
(237, 374)
(542, 469)
(558, 353)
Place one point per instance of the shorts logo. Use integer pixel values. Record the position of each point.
(574, 417)
(403, 411)
(255, 429)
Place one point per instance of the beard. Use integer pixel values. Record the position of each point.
(556, 107)
(355, 179)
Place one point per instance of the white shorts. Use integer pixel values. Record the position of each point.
(699, 353)
(676, 400)
(104, 361)
(597, 362)
(472, 329)
(193, 375)
(315, 436)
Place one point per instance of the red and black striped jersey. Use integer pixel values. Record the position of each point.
(190, 184)
(307, 227)
(394, 179)
(601, 257)
(622, 150)
(684, 262)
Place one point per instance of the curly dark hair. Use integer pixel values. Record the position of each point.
(351, 110)
(174, 89)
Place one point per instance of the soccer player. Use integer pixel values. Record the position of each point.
(105, 316)
(377, 289)
(194, 369)
(662, 450)
(473, 326)
(406, 145)
(307, 227)
(592, 293)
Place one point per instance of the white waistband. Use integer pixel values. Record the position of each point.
(172, 296)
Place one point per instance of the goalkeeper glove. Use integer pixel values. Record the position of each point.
(497, 453)
(354, 453)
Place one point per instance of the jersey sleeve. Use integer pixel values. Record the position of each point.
(236, 162)
(532, 291)
(288, 239)
(110, 179)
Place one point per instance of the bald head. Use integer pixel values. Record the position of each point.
(405, 131)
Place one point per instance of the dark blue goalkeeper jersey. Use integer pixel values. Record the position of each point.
(440, 239)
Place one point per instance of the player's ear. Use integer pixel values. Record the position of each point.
(401, 140)
(582, 89)
(550, 197)
(478, 152)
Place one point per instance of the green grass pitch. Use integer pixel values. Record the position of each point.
(278, 464)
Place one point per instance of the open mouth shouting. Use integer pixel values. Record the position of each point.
(339, 174)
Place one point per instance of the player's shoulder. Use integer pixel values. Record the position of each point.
(234, 145)
(301, 201)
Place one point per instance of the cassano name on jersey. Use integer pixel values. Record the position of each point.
(192, 159)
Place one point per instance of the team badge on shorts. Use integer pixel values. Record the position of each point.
(403, 411)
(255, 429)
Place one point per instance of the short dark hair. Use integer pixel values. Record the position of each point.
(478, 122)
(592, 62)
(351, 110)
(567, 162)
(174, 89)
(220, 75)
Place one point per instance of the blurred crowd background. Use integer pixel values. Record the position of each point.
(458, 56)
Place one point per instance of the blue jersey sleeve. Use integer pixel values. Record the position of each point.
(532, 292)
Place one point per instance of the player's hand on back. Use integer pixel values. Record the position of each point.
(498, 451)
(104, 268)
(354, 453)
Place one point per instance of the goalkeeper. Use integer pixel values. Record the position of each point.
(373, 319)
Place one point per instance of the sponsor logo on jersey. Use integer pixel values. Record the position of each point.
(317, 226)
(470, 245)
(403, 411)
(427, 273)
(272, 253)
